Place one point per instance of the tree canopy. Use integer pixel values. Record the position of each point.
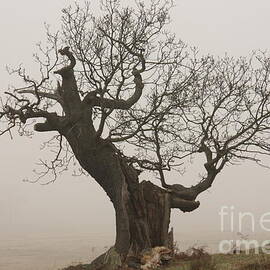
(146, 88)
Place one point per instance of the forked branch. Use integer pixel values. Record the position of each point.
(93, 100)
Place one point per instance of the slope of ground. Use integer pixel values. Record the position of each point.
(225, 262)
(213, 262)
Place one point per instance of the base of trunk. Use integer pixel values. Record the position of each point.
(111, 260)
(149, 218)
(146, 231)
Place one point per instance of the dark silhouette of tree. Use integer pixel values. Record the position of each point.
(127, 81)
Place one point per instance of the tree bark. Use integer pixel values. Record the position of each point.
(142, 210)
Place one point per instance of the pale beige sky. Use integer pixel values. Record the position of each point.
(214, 26)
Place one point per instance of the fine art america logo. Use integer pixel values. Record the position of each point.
(235, 221)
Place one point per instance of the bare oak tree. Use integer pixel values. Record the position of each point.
(127, 81)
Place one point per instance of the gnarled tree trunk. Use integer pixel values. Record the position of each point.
(142, 210)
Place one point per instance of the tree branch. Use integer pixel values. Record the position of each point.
(42, 94)
(184, 205)
(70, 56)
(52, 122)
(93, 100)
(69, 90)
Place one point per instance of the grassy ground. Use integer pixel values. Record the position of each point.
(214, 262)
(225, 262)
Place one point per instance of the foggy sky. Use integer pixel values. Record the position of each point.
(215, 27)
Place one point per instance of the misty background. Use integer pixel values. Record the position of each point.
(75, 210)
